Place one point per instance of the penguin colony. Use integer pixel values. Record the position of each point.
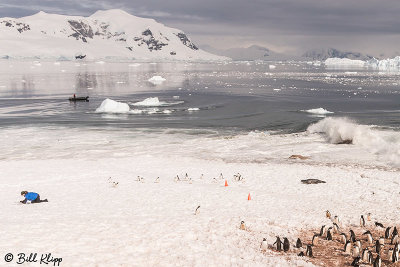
(370, 244)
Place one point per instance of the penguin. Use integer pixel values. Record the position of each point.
(347, 247)
(177, 179)
(390, 254)
(358, 244)
(381, 241)
(190, 180)
(322, 232)
(301, 254)
(387, 232)
(395, 231)
(369, 217)
(362, 221)
(286, 245)
(394, 240)
(298, 243)
(278, 243)
(395, 256)
(138, 179)
(157, 180)
(369, 237)
(197, 211)
(355, 252)
(378, 224)
(243, 226)
(221, 176)
(364, 255)
(370, 257)
(336, 219)
(309, 251)
(329, 235)
(352, 236)
(142, 179)
(201, 177)
(328, 214)
(335, 228)
(115, 184)
(378, 247)
(356, 261)
(378, 261)
(343, 238)
(315, 240)
(264, 245)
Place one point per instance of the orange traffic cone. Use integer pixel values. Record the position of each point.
(226, 183)
(249, 197)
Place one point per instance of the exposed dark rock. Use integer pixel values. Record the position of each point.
(130, 48)
(82, 30)
(80, 56)
(185, 40)
(173, 53)
(312, 181)
(151, 42)
(346, 142)
(298, 157)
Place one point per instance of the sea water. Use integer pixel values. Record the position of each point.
(223, 110)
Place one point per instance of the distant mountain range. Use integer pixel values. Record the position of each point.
(105, 34)
(323, 54)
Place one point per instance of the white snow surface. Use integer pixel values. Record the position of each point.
(343, 62)
(90, 222)
(111, 34)
(320, 111)
(150, 102)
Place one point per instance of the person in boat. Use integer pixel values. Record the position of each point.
(74, 96)
(32, 197)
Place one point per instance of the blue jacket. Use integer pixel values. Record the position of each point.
(31, 196)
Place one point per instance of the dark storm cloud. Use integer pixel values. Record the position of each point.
(255, 19)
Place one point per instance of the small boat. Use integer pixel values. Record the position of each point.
(83, 98)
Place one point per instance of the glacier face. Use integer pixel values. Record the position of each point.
(105, 34)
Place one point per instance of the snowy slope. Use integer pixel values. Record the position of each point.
(323, 54)
(105, 34)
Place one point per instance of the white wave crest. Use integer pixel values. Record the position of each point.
(320, 111)
(385, 144)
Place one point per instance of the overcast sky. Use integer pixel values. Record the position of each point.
(291, 26)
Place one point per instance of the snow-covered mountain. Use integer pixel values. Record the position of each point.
(323, 54)
(105, 34)
(253, 52)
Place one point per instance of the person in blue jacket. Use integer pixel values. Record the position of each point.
(32, 197)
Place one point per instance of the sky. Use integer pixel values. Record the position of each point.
(288, 26)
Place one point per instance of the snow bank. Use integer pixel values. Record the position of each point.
(320, 111)
(385, 64)
(111, 106)
(344, 62)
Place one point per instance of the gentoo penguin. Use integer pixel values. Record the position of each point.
(378, 247)
(394, 240)
(395, 256)
(362, 221)
(115, 184)
(336, 219)
(390, 254)
(323, 230)
(286, 245)
(177, 179)
(157, 180)
(395, 231)
(347, 247)
(315, 240)
(298, 243)
(328, 214)
(309, 251)
(356, 261)
(369, 237)
(355, 252)
(329, 235)
(264, 245)
(301, 254)
(221, 176)
(278, 243)
(364, 255)
(358, 244)
(378, 261)
(381, 241)
(197, 211)
(387, 232)
(378, 224)
(370, 257)
(242, 225)
(369, 217)
(352, 236)
(186, 177)
(335, 228)
(343, 238)
(201, 177)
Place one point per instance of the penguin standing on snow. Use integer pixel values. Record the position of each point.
(362, 221)
(395, 255)
(378, 247)
(370, 257)
(343, 238)
(286, 245)
(395, 231)
(335, 228)
(264, 245)
(242, 225)
(387, 232)
(336, 219)
(309, 251)
(298, 243)
(197, 211)
(278, 243)
(157, 180)
(352, 236)
(356, 261)
(364, 255)
(355, 251)
(322, 231)
(329, 235)
(390, 254)
(315, 240)
(378, 261)
(369, 237)
(347, 247)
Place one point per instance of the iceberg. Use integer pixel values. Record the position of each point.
(111, 106)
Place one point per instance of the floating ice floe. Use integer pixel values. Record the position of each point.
(150, 102)
(156, 80)
(111, 106)
(193, 109)
(319, 111)
(272, 66)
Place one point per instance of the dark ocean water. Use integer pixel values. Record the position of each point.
(238, 96)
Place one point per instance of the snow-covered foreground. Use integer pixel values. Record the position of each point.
(90, 222)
